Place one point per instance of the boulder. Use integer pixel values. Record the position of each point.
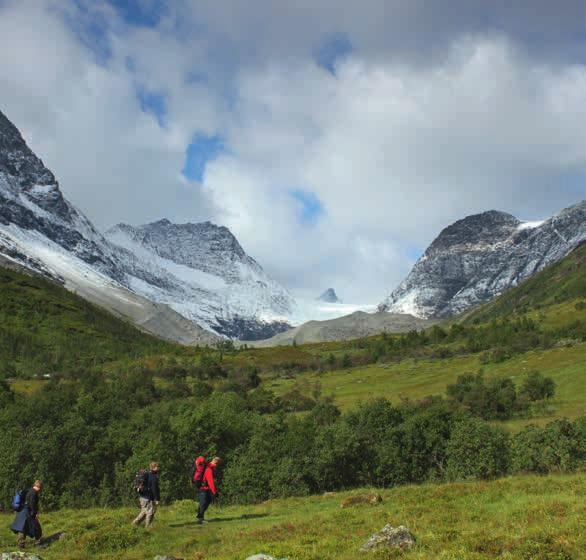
(18, 556)
(263, 557)
(362, 500)
(390, 537)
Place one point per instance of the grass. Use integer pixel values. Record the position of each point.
(523, 517)
(45, 329)
(415, 379)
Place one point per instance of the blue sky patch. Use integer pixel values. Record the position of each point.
(91, 28)
(153, 103)
(310, 207)
(203, 149)
(333, 48)
(414, 252)
(145, 13)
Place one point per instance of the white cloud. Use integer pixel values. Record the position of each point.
(396, 146)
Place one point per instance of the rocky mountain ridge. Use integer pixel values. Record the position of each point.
(479, 257)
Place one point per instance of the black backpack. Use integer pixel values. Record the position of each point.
(141, 480)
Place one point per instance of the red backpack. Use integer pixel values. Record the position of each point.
(199, 468)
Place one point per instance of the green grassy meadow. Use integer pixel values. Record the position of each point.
(520, 518)
(415, 379)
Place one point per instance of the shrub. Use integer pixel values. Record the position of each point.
(262, 400)
(537, 387)
(494, 400)
(288, 479)
(415, 450)
(580, 429)
(295, 401)
(337, 457)
(555, 448)
(324, 414)
(476, 450)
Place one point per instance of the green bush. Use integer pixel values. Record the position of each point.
(492, 400)
(580, 429)
(337, 457)
(476, 450)
(288, 478)
(537, 387)
(555, 448)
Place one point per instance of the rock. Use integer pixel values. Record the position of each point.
(19, 556)
(390, 537)
(263, 557)
(159, 557)
(362, 499)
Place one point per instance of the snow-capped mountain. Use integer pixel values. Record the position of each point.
(479, 257)
(329, 296)
(154, 279)
(218, 286)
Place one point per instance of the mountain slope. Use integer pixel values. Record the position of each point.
(164, 286)
(477, 258)
(559, 282)
(218, 284)
(44, 329)
(356, 325)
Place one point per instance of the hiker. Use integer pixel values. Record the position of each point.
(26, 523)
(149, 496)
(208, 491)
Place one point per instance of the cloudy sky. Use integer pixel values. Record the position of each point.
(334, 137)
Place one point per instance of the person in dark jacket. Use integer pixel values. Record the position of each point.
(26, 524)
(149, 497)
(208, 490)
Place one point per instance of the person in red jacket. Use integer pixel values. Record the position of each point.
(208, 490)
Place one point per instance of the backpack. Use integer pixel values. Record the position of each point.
(197, 472)
(19, 500)
(141, 480)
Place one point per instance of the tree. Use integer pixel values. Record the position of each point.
(537, 387)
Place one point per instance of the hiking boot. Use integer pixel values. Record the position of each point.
(201, 521)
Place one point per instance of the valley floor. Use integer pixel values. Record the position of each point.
(416, 379)
(523, 517)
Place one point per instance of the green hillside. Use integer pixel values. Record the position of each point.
(457, 402)
(528, 517)
(561, 282)
(45, 329)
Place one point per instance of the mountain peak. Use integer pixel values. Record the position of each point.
(329, 296)
(477, 258)
(488, 227)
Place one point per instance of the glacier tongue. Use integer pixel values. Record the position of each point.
(477, 258)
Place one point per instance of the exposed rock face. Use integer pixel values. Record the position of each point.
(329, 296)
(477, 258)
(390, 537)
(170, 279)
